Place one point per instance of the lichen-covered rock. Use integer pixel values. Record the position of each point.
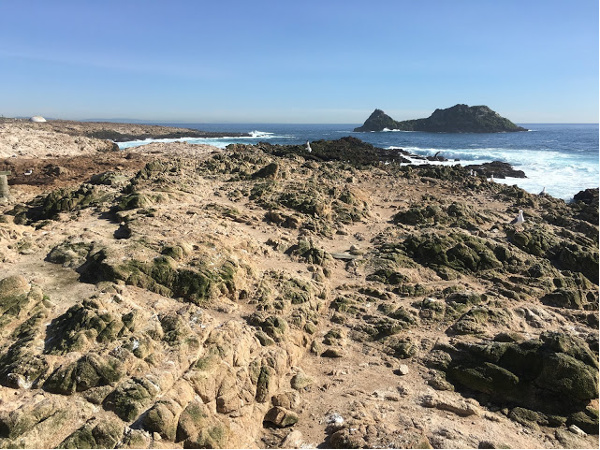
(23, 419)
(81, 324)
(131, 398)
(310, 254)
(89, 371)
(274, 326)
(162, 418)
(587, 420)
(69, 254)
(198, 428)
(162, 275)
(552, 374)
(456, 251)
(48, 207)
(281, 417)
(22, 365)
(98, 434)
(269, 171)
(13, 286)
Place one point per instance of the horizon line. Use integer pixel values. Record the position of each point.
(183, 122)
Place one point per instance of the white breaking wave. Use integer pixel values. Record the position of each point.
(261, 134)
(220, 142)
(561, 174)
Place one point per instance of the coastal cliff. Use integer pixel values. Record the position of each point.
(457, 119)
(265, 296)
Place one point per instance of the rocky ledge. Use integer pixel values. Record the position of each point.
(457, 119)
(264, 296)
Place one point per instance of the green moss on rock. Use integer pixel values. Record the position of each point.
(103, 434)
(131, 398)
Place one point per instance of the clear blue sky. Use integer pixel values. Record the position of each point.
(301, 61)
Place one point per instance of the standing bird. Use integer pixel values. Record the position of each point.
(543, 193)
(308, 149)
(519, 220)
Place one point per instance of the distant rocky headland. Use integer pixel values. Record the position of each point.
(457, 119)
(119, 132)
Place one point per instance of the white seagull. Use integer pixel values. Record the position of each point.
(308, 149)
(28, 172)
(519, 220)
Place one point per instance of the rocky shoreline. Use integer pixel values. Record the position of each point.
(262, 296)
(20, 137)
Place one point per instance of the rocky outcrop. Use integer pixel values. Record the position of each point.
(457, 119)
(378, 121)
(555, 374)
(263, 296)
(39, 140)
(496, 169)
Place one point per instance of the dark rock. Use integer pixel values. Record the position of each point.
(48, 207)
(89, 371)
(162, 419)
(586, 205)
(377, 121)
(269, 171)
(131, 398)
(587, 420)
(80, 324)
(555, 374)
(123, 232)
(456, 251)
(457, 119)
(497, 169)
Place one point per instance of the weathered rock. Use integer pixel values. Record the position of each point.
(69, 254)
(100, 434)
(447, 402)
(80, 324)
(13, 286)
(300, 381)
(553, 374)
(197, 428)
(162, 418)
(131, 398)
(281, 417)
(90, 371)
(496, 169)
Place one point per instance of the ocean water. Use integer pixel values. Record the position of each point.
(563, 158)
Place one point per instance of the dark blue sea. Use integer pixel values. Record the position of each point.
(563, 158)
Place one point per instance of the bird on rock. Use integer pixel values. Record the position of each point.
(519, 220)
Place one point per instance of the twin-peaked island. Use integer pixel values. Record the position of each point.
(457, 119)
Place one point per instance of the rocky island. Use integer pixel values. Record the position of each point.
(457, 119)
(261, 296)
